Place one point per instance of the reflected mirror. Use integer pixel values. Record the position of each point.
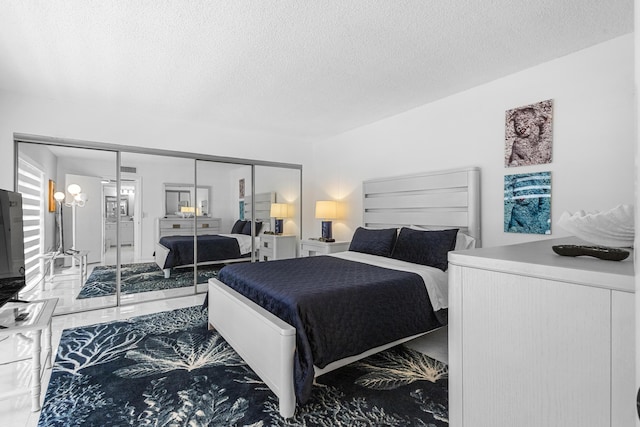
(181, 200)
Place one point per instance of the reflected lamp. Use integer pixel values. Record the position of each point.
(326, 210)
(189, 211)
(279, 211)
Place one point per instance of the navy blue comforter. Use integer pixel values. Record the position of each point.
(339, 308)
(210, 248)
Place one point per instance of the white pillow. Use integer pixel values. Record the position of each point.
(463, 240)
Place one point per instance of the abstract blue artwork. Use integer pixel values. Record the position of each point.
(527, 203)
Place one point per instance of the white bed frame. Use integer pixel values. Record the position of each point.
(263, 212)
(446, 199)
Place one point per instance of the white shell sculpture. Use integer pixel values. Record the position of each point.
(613, 228)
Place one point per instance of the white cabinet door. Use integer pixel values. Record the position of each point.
(623, 390)
(534, 352)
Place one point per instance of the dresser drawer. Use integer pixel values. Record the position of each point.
(168, 227)
(211, 226)
(266, 249)
(185, 226)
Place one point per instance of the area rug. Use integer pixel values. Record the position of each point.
(167, 369)
(141, 277)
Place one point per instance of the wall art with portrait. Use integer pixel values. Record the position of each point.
(527, 203)
(528, 134)
(241, 188)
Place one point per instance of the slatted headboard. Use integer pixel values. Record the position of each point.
(444, 199)
(262, 206)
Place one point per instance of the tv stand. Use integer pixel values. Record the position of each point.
(38, 319)
(79, 257)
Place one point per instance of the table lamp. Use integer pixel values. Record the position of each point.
(279, 211)
(326, 210)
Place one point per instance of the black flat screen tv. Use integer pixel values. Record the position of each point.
(12, 265)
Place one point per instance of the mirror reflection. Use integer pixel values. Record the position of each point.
(154, 226)
(229, 241)
(66, 242)
(281, 237)
(183, 201)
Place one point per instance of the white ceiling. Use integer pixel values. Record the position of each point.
(302, 69)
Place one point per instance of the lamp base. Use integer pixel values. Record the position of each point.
(279, 226)
(326, 231)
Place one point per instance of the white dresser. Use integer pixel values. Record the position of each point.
(536, 339)
(185, 226)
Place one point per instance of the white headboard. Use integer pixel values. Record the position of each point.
(444, 199)
(262, 206)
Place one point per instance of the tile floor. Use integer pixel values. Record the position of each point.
(16, 411)
(66, 285)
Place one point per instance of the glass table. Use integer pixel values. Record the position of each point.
(32, 318)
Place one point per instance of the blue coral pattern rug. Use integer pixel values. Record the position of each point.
(167, 369)
(141, 277)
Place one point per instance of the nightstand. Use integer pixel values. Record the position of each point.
(277, 246)
(316, 247)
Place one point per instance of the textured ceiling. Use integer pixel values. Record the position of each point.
(301, 69)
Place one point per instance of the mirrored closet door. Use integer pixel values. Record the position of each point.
(216, 212)
(285, 215)
(64, 188)
(112, 225)
(159, 211)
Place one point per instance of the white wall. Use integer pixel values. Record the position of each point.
(593, 141)
(119, 124)
(592, 157)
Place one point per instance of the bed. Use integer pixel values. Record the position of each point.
(277, 341)
(178, 251)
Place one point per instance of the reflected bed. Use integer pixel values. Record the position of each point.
(178, 251)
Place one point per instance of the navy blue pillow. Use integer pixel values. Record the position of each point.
(425, 247)
(238, 226)
(247, 228)
(373, 242)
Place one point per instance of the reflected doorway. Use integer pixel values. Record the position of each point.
(120, 209)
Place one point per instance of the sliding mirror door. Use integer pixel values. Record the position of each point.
(123, 229)
(282, 219)
(219, 205)
(63, 245)
(155, 228)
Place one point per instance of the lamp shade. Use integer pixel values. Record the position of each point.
(326, 209)
(279, 210)
(59, 196)
(74, 189)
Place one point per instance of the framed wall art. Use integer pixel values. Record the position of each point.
(52, 200)
(241, 188)
(527, 203)
(528, 134)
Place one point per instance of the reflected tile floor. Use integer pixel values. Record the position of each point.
(17, 411)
